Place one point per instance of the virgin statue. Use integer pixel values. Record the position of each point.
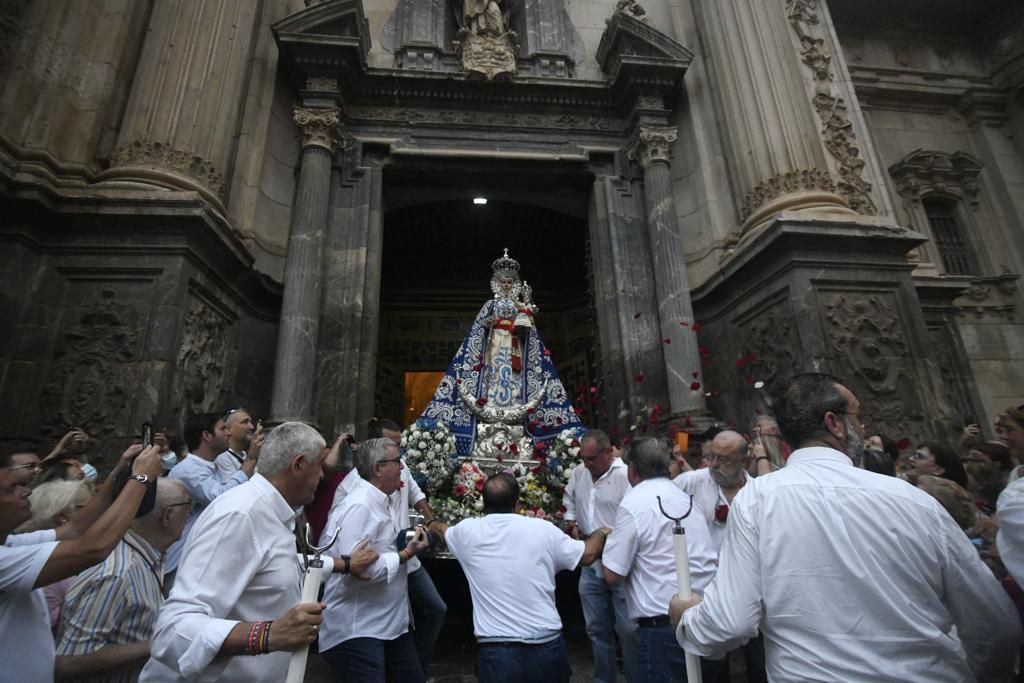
(501, 392)
(483, 16)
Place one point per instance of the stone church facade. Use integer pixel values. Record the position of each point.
(269, 203)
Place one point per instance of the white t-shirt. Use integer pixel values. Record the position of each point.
(510, 562)
(640, 547)
(24, 620)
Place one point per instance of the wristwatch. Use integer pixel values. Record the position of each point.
(141, 478)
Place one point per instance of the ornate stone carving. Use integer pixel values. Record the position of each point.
(320, 127)
(161, 154)
(837, 130)
(989, 298)
(322, 84)
(785, 183)
(90, 382)
(486, 119)
(632, 8)
(202, 359)
(772, 348)
(654, 144)
(486, 56)
(869, 354)
(924, 172)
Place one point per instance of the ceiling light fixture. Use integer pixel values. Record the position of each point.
(479, 201)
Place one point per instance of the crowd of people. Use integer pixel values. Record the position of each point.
(816, 549)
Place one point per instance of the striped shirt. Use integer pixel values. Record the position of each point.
(114, 603)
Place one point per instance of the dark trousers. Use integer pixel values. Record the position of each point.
(522, 663)
(371, 660)
(428, 610)
(661, 660)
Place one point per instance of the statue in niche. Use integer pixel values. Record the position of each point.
(483, 16)
(488, 49)
(501, 392)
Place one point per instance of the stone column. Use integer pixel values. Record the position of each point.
(185, 106)
(682, 357)
(300, 307)
(779, 161)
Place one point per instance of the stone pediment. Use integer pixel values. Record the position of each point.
(629, 43)
(327, 25)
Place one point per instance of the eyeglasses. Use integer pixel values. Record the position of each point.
(229, 413)
(922, 456)
(34, 466)
(190, 503)
(385, 460)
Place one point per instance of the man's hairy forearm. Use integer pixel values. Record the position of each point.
(108, 659)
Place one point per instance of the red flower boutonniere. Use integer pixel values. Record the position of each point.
(721, 513)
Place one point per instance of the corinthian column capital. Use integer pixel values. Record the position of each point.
(320, 127)
(654, 143)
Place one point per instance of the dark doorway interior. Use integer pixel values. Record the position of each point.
(437, 254)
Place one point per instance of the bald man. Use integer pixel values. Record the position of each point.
(713, 488)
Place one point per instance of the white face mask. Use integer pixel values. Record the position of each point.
(168, 460)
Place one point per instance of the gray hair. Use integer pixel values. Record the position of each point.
(168, 492)
(370, 453)
(51, 498)
(649, 457)
(598, 437)
(285, 442)
(733, 441)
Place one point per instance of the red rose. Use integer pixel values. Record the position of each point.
(722, 513)
(459, 490)
(514, 448)
(482, 401)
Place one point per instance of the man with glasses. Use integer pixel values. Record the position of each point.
(591, 501)
(365, 634)
(728, 457)
(850, 575)
(111, 609)
(33, 560)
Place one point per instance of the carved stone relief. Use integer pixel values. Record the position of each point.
(487, 47)
(771, 354)
(923, 172)
(870, 355)
(91, 379)
(783, 184)
(837, 130)
(202, 359)
(989, 298)
(483, 119)
(161, 154)
(633, 9)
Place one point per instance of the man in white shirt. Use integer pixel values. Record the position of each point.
(728, 456)
(366, 622)
(244, 441)
(206, 437)
(640, 553)
(30, 561)
(240, 569)
(591, 502)
(850, 575)
(510, 562)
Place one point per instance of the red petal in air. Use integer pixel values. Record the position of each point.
(636, 316)
(903, 443)
(694, 386)
(640, 377)
(667, 340)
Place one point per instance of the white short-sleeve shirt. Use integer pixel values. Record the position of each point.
(510, 562)
(24, 620)
(640, 547)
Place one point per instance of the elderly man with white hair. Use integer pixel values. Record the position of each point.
(111, 608)
(238, 587)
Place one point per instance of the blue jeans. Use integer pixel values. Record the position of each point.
(661, 660)
(604, 609)
(428, 610)
(371, 660)
(521, 663)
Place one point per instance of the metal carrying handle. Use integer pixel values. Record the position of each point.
(678, 529)
(316, 550)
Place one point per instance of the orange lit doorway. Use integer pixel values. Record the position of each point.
(419, 389)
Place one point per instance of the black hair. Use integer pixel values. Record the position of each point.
(196, 425)
(946, 458)
(801, 409)
(375, 427)
(878, 461)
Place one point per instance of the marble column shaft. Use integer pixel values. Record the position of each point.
(682, 355)
(294, 370)
(771, 128)
(185, 105)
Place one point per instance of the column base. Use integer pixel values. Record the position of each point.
(817, 201)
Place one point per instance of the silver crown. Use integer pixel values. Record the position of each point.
(505, 264)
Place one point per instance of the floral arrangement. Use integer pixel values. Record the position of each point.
(468, 481)
(428, 446)
(562, 457)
